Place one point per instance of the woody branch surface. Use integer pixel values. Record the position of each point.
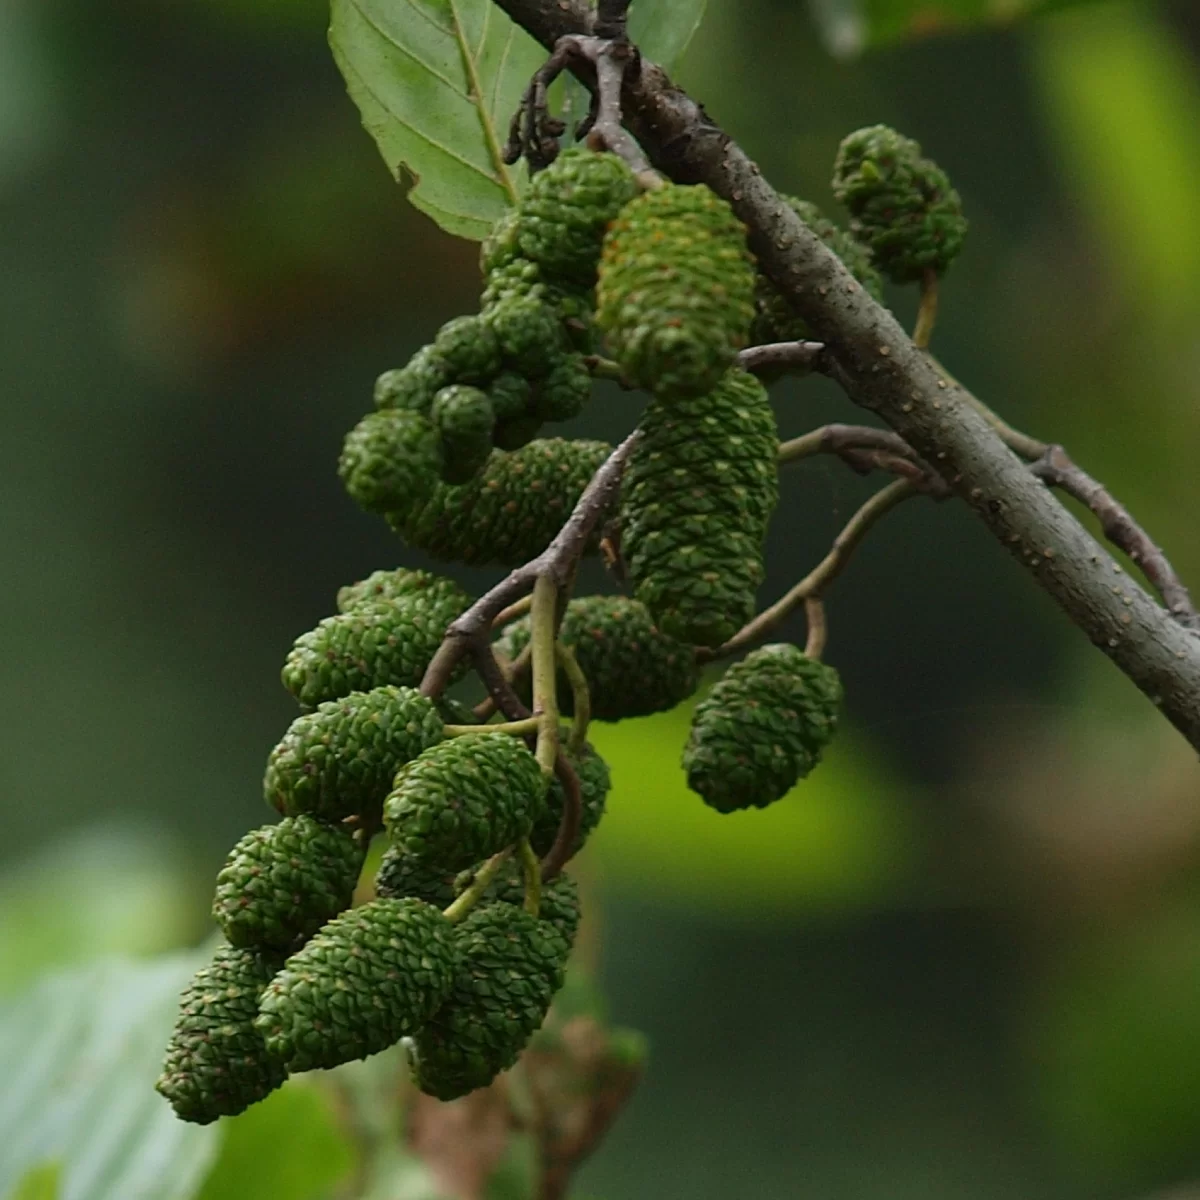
(878, 366)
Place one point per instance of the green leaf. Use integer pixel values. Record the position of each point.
(663, 29)
(288, 1147)
(851, 26)
(79, 1054)
(436, 82)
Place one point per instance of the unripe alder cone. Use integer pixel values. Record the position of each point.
(774, 318)
(528, 332)
(567, 208)
(216, 1064)
(463, 417)
(282, 882)
(390, 459)
(511, 396)
(403, 876)
(464, 799)
(595, 781)
(384, 586)
(510, 511)
(675, 297)
(373, 645)
(509, 967)
(565, 391)
(696, 498)
(902, 204)
(415, 385)
(762, 728)
(632, 668)
(339, 760)
(558, 903)
(370, 977)
(469, 348)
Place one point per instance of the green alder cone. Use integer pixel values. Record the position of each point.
(565, 391)
(762, 728)
(573, 307)
(463, 417)
(455, 712)
(529, 333)
(595, 781)
(401, 876)
(372, 645)
(902, 204)
(502, 245)
(558, 904)
(566, 210)
(696, 499)
(774, 318)
(339, 760)
(469, 347)
(414, 386)
(511, 396)
(509, 512)
(383, 586)
(390, 459)
(464, 799)
(216, 1064)
(370, 977)
(676, 293)
(632, 668)
(509, 966)
(282, 882)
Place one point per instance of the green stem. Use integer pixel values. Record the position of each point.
(480, 884)
(580, 694)
(927, 313)
(516, 728)
(532, 872)
(545, 674)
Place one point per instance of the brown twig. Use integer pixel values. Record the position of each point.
(782, 356)
(818, 627)
(927, 313)
(572, 817)
(469, 633)
(813, 585)
(1056, 469)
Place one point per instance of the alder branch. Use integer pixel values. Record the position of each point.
(813, 585)
(877, 365)
(782, 356)
(470, 633)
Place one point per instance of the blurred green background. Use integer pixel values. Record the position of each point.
(963, 959)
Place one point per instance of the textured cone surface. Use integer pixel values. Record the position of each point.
(595, 780)
(565, 391)
(676, 293)
(510, 511)
(902, 204)
(469, 348)
(339, 761)
(559, 903)
(389, 459)
(414, 386)
(283, 882)
(509, 967)
(566, 210)
(631, 667)
(463, 417)
(500, 247)
(573, 308)
(372, 645)
(774, 318)
(216, 1064)
(762, 728)
(464, 800)
(511, 396)
(529, 334)
(370, 977)
(697, 495)
(383, 586)
(401, 876)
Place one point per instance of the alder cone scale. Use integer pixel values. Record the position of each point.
(697, 496)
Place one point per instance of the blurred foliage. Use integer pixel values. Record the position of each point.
(957, 962)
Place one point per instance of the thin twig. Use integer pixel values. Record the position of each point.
(512, 613)
(927, 313)
(545, 673)
(532, 875)
(514, 728)
(1056, 469)
(572, 817)
(824, 573)
(781, 356)
(818, 626)
(471, 895)
(469, 633)
(836, 439)
(581, 696)
(496, 682)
